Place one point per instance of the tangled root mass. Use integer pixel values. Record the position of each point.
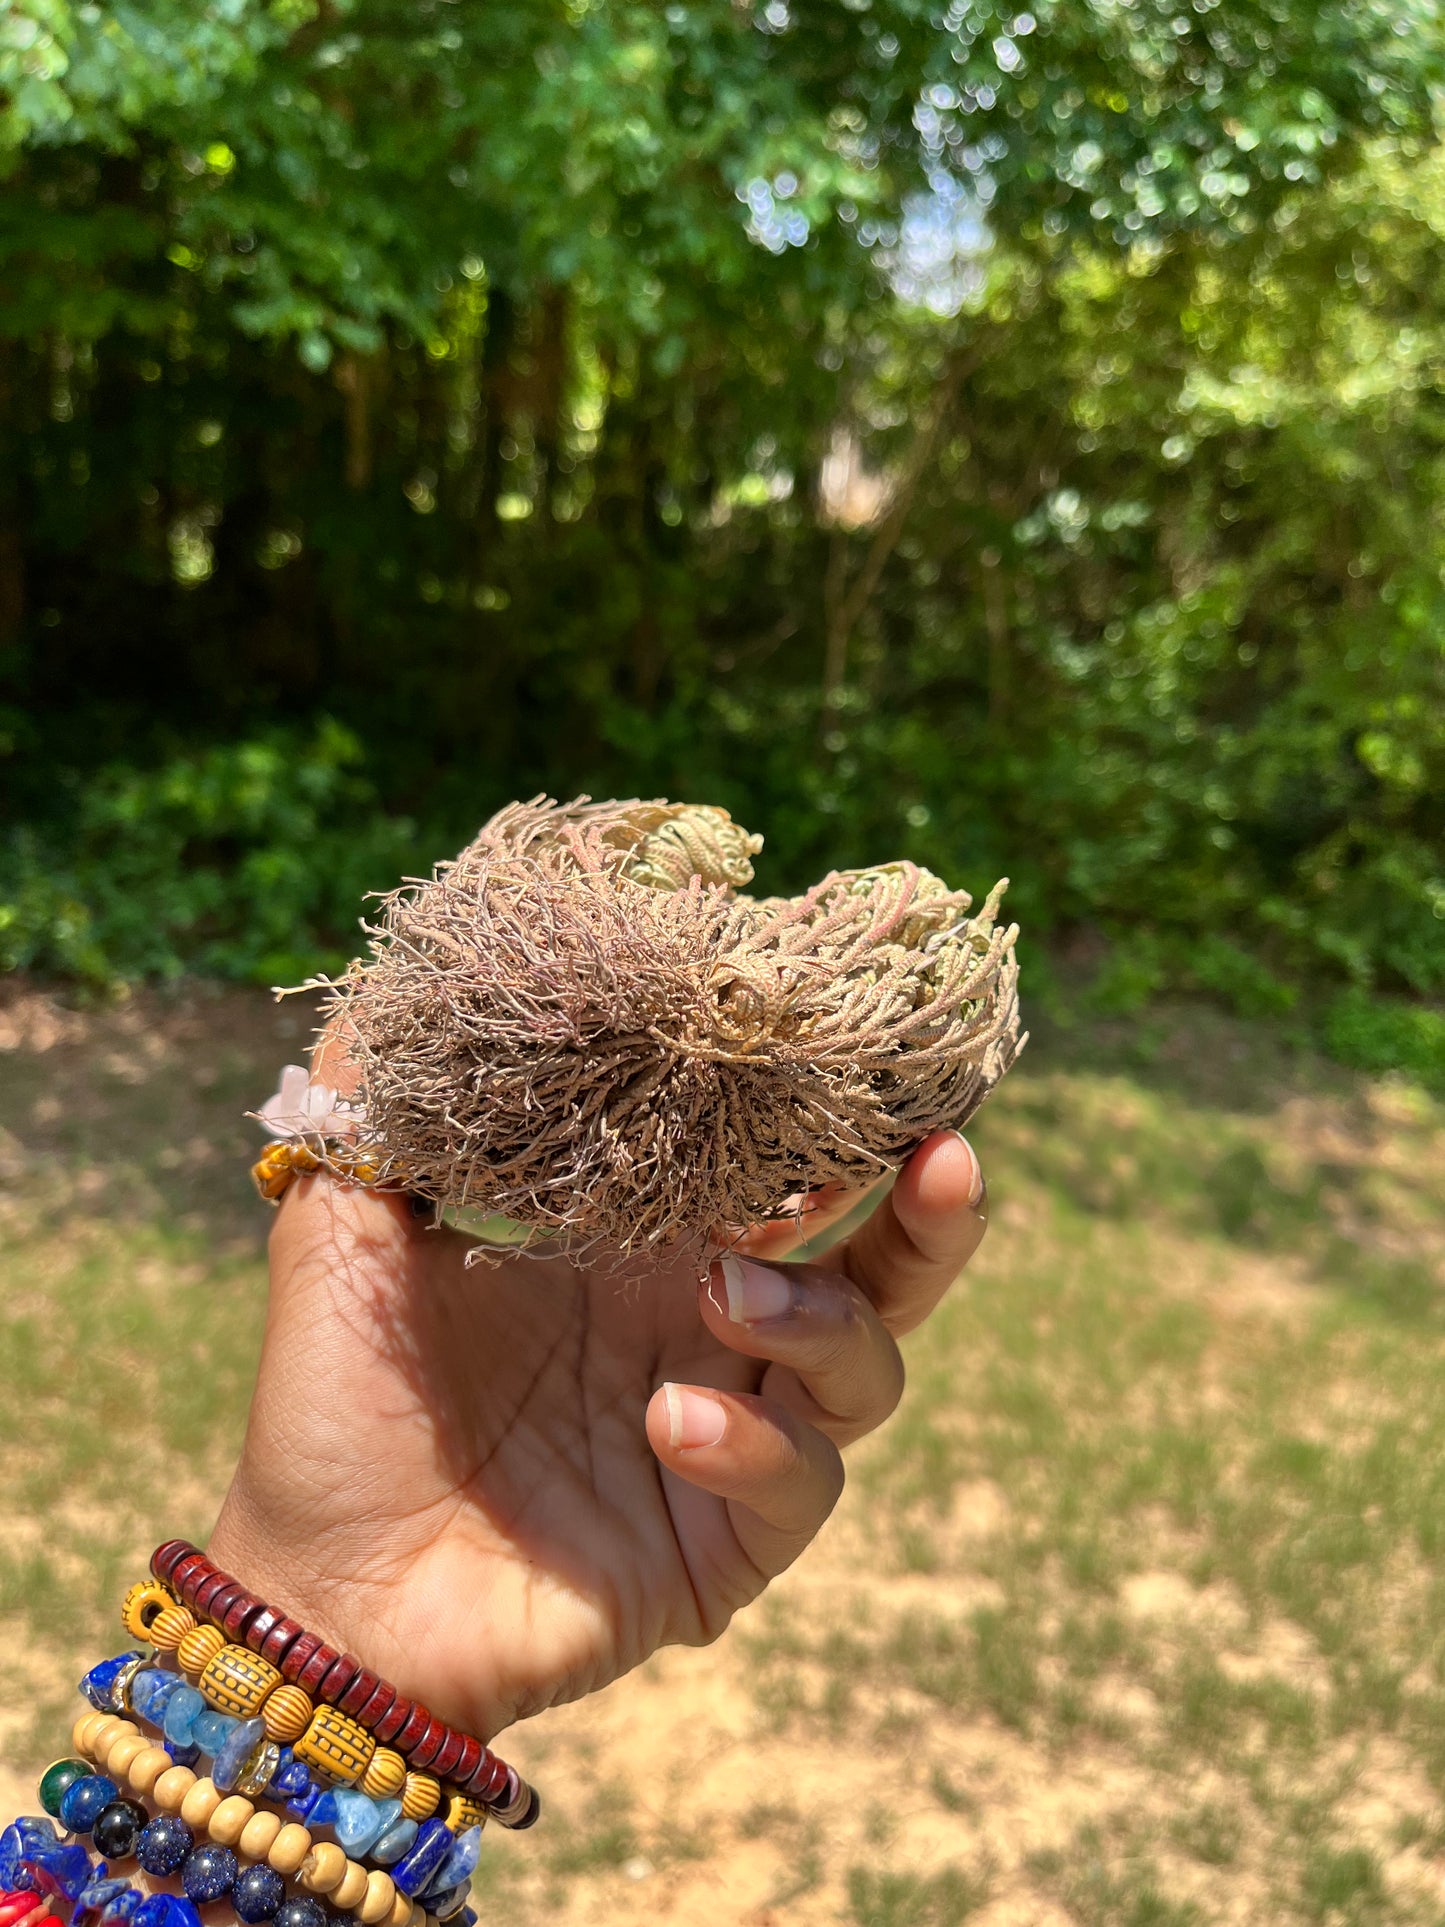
(583, 1026)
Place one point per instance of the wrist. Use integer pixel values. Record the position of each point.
(281, 1569)
(348, 1711)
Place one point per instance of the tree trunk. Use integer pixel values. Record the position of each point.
(355, 379)
(497, 345)
(843, 608)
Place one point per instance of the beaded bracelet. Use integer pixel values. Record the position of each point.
(365, 1712)
(424, 1863)
(284, 1160)
(191, 1806)
(231, 1829)
(433, 1861)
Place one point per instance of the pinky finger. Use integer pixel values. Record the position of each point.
(779, 1476)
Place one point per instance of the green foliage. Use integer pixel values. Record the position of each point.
(1386, 1034)
(1009, 437)
(247, 861)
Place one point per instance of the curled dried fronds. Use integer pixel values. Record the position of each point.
(578, 1025)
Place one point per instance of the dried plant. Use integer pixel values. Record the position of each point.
(582, 1026)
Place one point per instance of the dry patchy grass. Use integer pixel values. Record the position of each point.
(1130, 1616)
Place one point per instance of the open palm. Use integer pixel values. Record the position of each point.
(503, 1487)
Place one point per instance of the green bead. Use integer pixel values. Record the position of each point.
(56, 1778)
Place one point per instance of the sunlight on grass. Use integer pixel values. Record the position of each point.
(1130, 1617)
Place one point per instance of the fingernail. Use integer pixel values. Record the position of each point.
(692, 1418)
(975, 1189)
(755, 1292)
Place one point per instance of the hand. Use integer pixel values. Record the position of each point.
(502, 1488)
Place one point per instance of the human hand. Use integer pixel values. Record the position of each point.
(503, 1488)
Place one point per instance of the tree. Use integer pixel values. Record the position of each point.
(467, 374)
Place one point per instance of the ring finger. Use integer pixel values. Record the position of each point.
(829, 1358)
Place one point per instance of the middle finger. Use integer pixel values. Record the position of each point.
(830, 1360)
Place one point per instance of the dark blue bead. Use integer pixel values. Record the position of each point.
(290, 1777)
(98, 1686)
(460, 1864)
(117, 1828)
(469, 1917)
(85, 1800)
(124, 1907)
(58, 1869)
(96, 1895)
(209, 1873)
(182, 1755)
(438, 1884)
(301, 1911)
(12, 1852)
(258, 1893)
(16, 1842)
(164, 1844)
(300, 1805)
(324, 1812)
(167, 1910)
(428, 1854)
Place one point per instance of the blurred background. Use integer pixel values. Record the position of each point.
(1010, 439)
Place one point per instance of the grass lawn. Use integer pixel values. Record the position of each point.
(1132, 1615)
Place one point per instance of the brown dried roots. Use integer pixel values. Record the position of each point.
(580, 1025)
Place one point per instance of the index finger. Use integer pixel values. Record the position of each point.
(923, 1233)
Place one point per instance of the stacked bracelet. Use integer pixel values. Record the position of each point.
(360, 1714)
(368, 1825)
(194, 1809)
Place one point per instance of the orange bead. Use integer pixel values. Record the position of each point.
(143, 1605)
(386, 1776)
(420, 1796)
(122, 1750)
(83, 1730)
(463, 1812)
(198, 1649)
(287, 1713)
(236, 1681)
(104, 1734)
(170, 1627)
(337, 1746)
